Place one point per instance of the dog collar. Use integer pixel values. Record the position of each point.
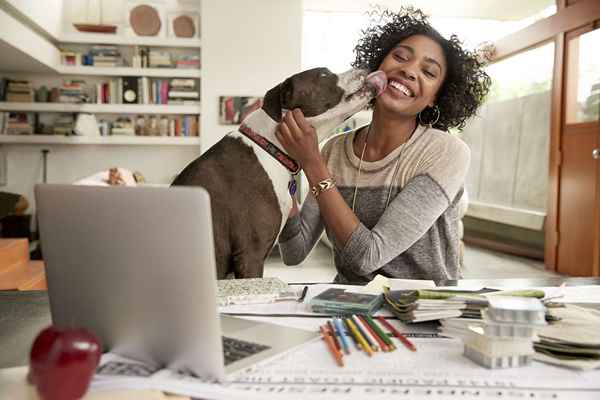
(270, 148)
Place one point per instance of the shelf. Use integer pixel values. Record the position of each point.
(98, 38)
(128, 71)
(102, 140)
(101, 108)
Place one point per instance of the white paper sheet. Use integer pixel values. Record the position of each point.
(437, 370)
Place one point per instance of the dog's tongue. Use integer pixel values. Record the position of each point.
(378, 80)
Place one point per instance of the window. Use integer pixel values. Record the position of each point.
(583, 83)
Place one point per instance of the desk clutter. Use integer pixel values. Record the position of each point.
(364, 333)
(429, 305)
(255, 291)
(504, 338)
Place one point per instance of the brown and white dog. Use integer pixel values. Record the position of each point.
(247, 172)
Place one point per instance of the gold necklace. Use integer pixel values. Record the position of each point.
(396, 167)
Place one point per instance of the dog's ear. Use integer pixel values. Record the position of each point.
(272, 103)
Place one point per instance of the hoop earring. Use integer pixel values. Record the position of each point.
(436, 111)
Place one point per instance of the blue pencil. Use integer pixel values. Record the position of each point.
(343, 339)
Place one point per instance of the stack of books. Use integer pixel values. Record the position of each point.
(17, 123)
(183, 91)
(19, 91)
(123, 126)
(337, 301)
(188, 62)
(64, 125)
(159, 59)
(73, 91)
(105, 56)
(504, 338)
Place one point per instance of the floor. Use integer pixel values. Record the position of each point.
(479, 263)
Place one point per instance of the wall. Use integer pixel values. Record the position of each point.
(248, 47)
(47, 15)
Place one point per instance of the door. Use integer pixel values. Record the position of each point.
(579, 197)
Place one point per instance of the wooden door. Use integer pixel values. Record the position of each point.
(579, 197)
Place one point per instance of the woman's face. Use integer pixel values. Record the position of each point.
(416, 69)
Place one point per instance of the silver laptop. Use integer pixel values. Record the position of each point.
(136, 266)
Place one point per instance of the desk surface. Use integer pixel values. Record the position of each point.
(24, 314)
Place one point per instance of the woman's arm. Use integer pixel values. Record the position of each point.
(301, 232)
(300, 141)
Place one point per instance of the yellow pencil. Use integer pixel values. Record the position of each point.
(359, 337)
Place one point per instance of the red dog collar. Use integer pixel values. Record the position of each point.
(270, 148)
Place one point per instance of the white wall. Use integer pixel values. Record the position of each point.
(47, 14)
(248, 47)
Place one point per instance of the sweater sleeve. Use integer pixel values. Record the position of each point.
(301, 233)
(409, 216)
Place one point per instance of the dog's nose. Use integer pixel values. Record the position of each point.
(377, 80)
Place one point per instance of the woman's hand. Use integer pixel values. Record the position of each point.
(298, 138)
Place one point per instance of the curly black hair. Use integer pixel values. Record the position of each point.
(466, 84)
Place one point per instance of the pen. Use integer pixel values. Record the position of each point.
(407, 343)
(359, 337)
(338, 325)
(351, 334)
(303, 295)
(382, 345)
(333, 335)
(363, 331)
(334, 352)
(380, 332)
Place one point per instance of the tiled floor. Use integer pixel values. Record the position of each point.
(479, 263)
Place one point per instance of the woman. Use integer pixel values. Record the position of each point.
(389, 193)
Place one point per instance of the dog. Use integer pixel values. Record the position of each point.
(248, 175)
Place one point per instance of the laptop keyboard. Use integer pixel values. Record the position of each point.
(236, 349)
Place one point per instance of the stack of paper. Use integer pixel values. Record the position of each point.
(428, 305)
(573, 340)
(504, 338)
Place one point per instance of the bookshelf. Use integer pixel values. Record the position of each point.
(91, 38)
(161, 88)
(129, 71)
(167, 109)
(100, 140)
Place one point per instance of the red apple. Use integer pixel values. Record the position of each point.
(62, 362)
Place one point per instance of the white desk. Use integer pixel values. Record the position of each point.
(437, 370)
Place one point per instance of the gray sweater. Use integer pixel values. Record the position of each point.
(416, 236)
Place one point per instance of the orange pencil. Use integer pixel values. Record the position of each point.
(334, 352)
(407, 343)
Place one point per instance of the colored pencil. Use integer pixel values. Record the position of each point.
(333, 335)
(382, 344)
(360, 338)
(363, 331)
(329, 341)
(338, 325)
(351, 334)
(381, 333)
(407, 343)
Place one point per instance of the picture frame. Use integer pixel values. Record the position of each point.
(234, 109)
(186, 20)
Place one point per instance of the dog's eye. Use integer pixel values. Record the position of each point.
(323, 75)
